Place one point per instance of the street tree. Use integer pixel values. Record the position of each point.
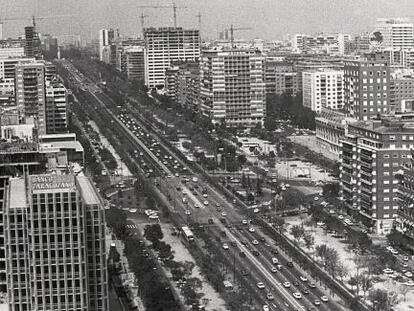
(309, 240)
(382, 300)
(153, 233)
(366, 282)
(298, 232)
(403, 290)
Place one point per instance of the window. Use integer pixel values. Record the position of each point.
(386, 199)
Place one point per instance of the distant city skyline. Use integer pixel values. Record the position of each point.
(269, 19)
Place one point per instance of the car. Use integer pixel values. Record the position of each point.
(290, 264)
(273, 269)
(255, 242)
(223, 220)
(274, 251)
(266, 308)
(279, 267)
(295, 283)
(305, 291)
(233, 243)
(316, 198)
(210, 221)
(324, 298)
(244, 222)
(262, 239)
(244, 243)
(311, 309)
(404, 265)
(224, 214)
(256, 253)
(244, 272)
(406, 258)
(303, 278)
(225, 246)
(388, 271)
(394, 252)
(312, 285)
(317, 302)
(286, 284)
(205, 202)
(187, 212)
(341, 217)
(269, 296)
(251, 229)
(260, 285)
(275, 261)
(297, 295)
(205, 195)
(197, 205)
(389, 248)
(409, 283)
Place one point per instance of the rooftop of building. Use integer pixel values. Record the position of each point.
(324, 70)
(17, 193)
(389, 124)
(88, 191)
(17, 146)
(60, 145)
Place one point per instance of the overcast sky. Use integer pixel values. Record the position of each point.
(269, 19)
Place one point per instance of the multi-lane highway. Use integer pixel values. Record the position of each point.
(280, 286)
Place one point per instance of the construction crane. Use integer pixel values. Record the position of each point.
(143, 17)
(174, 7)
(199, 21)
(34, 18)
(232, 30)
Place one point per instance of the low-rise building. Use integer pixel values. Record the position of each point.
(331, 127)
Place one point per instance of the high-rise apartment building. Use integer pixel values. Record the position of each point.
(328, 43)
(232, 87)
(135, 63)
(32, 42)
(367, 88)
(166, 45)
(323, 88)
(396, 33)
(280, 78)
(106, 38)
(30, 92)
(402, 91)
(372, 154)
(55, 244)
(56, 108)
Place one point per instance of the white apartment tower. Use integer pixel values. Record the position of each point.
(397, 33)
(166, 45)
(323, 88)
(232, 88)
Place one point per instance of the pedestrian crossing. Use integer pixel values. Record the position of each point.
(132, 226)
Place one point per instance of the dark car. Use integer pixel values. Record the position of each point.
(305, 291)
(210, 221)
(256, 253)
(262, 239)
(244, 272)
(274, 251)
(290, 264)
(223, 220)
(242, 254)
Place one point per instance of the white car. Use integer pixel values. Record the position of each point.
(225, 246)
(408, 274)
(303, 278)
(273, 269)
(388, 271)
(260, 285)
(224, 214)
(244, 222)
(409, 283)
(316, 198)
(205, 202)
(275, 260)
(394, 252)
(286, 284)
(341, 217)
(324, 298)
(406, 258)
(197, 205)
(389, 248)
(205, 195)
(266, 308)
(251, 229)
(297, 295)
(188, 212)
(255, 242)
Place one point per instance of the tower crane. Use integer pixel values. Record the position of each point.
(143, 17)
(174, 7)
(232, 30)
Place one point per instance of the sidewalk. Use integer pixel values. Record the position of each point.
(309, 142)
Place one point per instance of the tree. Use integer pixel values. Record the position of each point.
(153, 233)
(332, 261)
(116, 220)
(259, 186)
(382, 300)
(354, 281)
(366, 282)
(279, 222)
(298, 232)
(164, 250)
(404, 289)
(309, 240)
(342, 271)
(331, 189)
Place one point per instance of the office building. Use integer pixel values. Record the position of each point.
(232, 87)
(163, 46)
(366, 88)
(320, 43)
(30, 93)
(373, 152)
(32, 42)
(323, 88)
(106, 38)
(396, 33)
(58, 262)
(135, 63)
(56, 108)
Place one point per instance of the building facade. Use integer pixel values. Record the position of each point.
(366, 88)
(280, 78)
(402, 91)
(323, 88)
(32, 42)
(331, 127)
(56, 108)
(163, 46)
(372, 153)
(55, 244)
(232, 87)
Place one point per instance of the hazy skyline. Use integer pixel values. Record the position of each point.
(269, 19)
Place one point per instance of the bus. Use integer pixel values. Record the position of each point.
(187, 234)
